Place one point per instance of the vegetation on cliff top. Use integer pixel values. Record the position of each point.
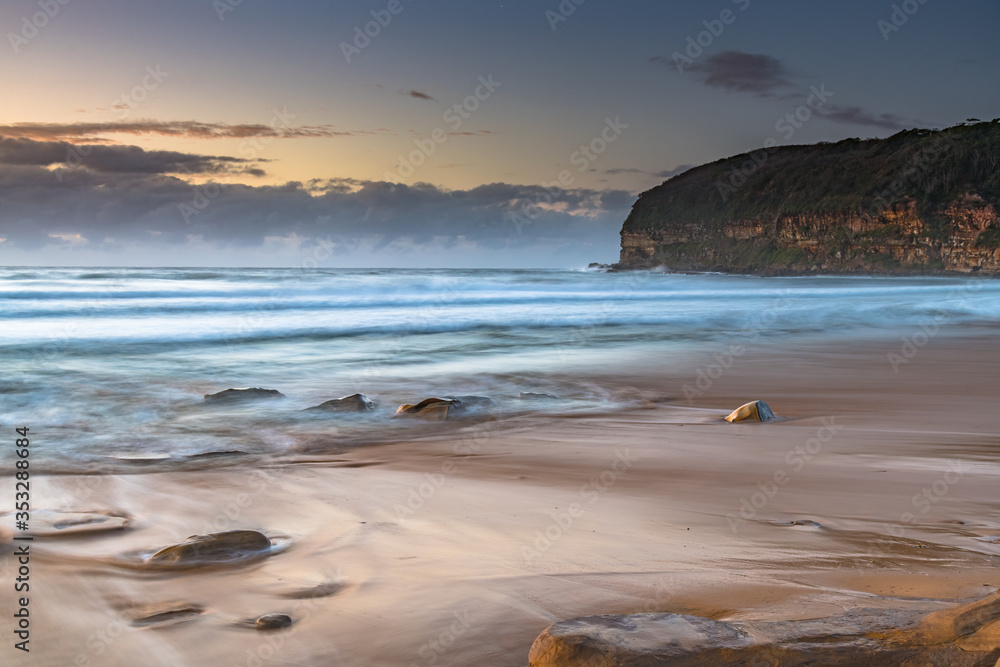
(853, 176)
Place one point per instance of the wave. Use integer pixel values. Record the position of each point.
(113, 362)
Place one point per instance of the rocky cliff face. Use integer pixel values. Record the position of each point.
(917, 202)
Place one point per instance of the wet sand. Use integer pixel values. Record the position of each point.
(878, 488)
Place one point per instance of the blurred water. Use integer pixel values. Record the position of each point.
(113, 362)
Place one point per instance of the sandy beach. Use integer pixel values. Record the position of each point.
(877, 488)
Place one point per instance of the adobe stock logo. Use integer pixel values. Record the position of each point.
(900, 16)
(37, 21)
(363, 35)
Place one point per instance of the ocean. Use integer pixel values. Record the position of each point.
(108, 366)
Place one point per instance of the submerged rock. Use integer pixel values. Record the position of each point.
(352, 403)
(210, 455)
(534, 396)
(228, 546)
(238, 395)
(431, 409)
(754, 411)
(473, 402)
(964, 636)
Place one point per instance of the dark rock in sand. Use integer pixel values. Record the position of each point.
(273, 621)
(963, 636)
(324, 590)
(232, 545)
(533, 396)
(239, 395)
(755, 411)
(352, 403)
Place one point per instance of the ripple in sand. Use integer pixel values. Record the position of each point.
(164, 614)
(50, 523)
(141, 458)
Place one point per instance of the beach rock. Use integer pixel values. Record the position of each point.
(473, 402)
(239, 395)
(324, 590)
(439, 409)
(754, 411)
(431, 409)
(228, 546)
(352, 403)
(273, 621)
(963, 636)
(533, 396)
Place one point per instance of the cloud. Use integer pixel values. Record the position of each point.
(189, 129)
(667, 173)
(741, 72)
(855, 115)
(679, 169)
(765, 76)
(116, 209)
(418, 95)
(118, 159)
(476, 133)
(623, 170)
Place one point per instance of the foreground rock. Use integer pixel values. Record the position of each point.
(963, 636)
(240, 395)
(352, 403)
(229, 546)
(754, 411)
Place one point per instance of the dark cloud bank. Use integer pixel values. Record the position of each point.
(121, 196)
(768, 77)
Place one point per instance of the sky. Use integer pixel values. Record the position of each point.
(432, 133)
